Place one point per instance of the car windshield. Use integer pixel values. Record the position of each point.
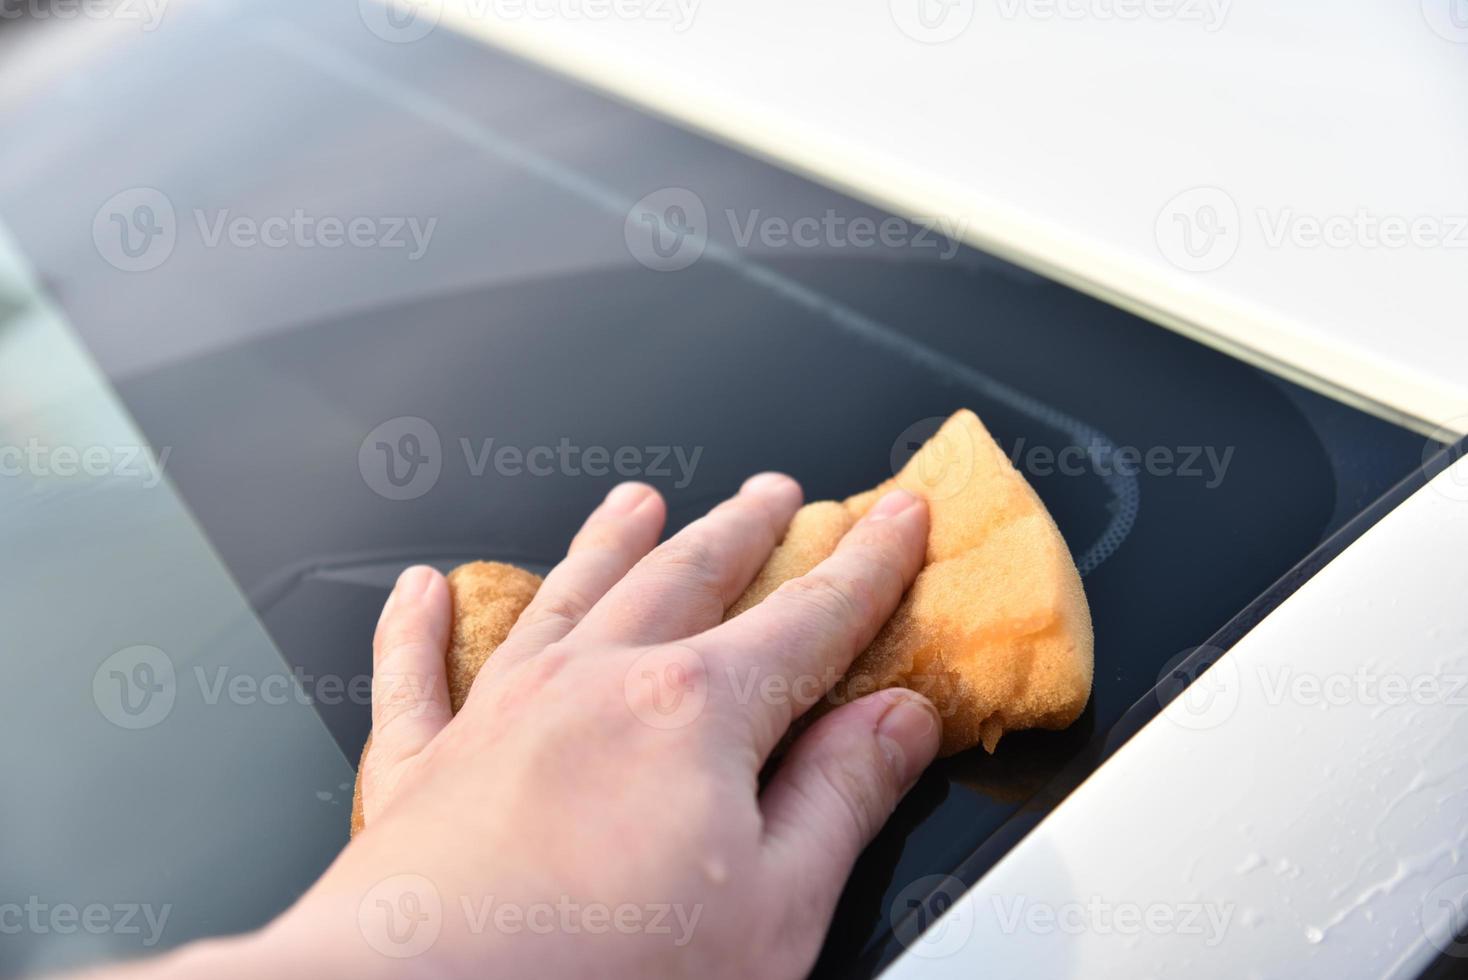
(285, 306)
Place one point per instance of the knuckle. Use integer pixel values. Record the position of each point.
(563, 605)
(837, 600)
(396, 640)
(687, 555)
(391, 695)
(397, 696)
(862, 798)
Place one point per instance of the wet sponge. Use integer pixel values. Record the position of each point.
(995, 630)
(488, 597)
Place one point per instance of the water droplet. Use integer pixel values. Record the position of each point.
(1251, 863)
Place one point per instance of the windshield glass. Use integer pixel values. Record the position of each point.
(288, 306)
(146, 711)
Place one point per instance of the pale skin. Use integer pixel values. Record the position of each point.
(595, 808)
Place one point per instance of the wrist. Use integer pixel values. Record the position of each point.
(325, 938)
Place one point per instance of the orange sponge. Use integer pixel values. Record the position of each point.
(488, 597)
(995, 630)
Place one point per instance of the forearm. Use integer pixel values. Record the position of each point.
(294, 948)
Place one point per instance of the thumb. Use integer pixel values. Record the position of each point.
(840, 783)
(410, 696)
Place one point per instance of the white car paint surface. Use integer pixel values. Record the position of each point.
(1300, 812)
(1285, 181)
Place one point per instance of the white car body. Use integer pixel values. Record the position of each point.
(1288, 815)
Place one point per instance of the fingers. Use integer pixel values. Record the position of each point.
(410, 695)
(685, 585)
(807, 632)
(838, 786)
(622, 530)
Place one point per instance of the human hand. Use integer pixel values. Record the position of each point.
(596, 805)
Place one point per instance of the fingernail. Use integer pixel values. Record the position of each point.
(908, 734)
(624, 498)
(769, 484)
(412, 583)
(894, 503)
